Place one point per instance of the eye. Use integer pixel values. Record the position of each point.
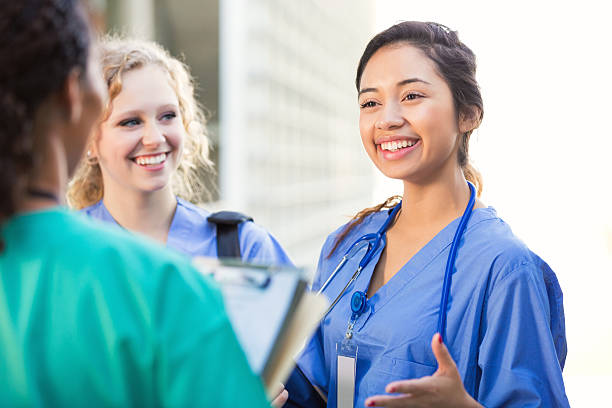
(131, 122)
(412, 96)
(368, 104)
(168, 116)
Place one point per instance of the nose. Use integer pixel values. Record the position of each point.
(390, 117)
(153, 136)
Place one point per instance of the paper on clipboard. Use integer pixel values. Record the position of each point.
(271, 311)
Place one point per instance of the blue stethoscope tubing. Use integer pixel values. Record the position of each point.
(373, 240)
(356, 247)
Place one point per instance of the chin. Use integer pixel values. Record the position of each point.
(397, 173)
(153, 187)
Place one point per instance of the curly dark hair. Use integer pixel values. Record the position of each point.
(42, 41)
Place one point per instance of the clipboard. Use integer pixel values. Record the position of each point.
(271, 311)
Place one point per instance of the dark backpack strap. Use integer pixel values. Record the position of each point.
(228, 242)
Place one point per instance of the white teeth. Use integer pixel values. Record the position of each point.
(396, 145)
(151, 159)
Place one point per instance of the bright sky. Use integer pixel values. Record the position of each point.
(544, 150)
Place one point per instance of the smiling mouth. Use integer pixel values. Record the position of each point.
(396, 145)
(151, 160)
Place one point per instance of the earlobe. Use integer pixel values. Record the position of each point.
(91, 154)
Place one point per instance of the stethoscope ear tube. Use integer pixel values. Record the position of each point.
(450, 262)
(355, 275)
(356, 247)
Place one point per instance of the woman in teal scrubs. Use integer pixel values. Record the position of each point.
(89, 315)
(505, 334)
(145, 162)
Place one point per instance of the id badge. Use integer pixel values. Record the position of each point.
(345, 377)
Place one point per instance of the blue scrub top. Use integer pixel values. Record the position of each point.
(505, 330)
(191, 234)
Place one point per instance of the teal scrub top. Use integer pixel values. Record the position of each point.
(93, 316)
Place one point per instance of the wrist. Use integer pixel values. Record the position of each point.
(470, 402)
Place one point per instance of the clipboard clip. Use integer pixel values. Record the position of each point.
(234, 276)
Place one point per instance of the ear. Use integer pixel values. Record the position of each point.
(71, 96)
(469, 120)
(91, 152)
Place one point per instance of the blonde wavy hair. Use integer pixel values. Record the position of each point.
(120, 55)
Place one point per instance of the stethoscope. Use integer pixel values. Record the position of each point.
(372, 241)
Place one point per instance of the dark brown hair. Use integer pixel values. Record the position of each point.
(42, 41)
(456, 63)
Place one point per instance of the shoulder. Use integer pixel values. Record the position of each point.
(93, 210)
(371, 223)
(333, 250)
(191, 210)
(252, 231)
(199, 215)
(506, 260)
(492, 239)
(258, 245)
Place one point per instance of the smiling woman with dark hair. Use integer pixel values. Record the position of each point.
(89, 316)
(435, 302)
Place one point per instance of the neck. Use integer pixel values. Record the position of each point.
(49, 175)
(148, 213)
(434, 203)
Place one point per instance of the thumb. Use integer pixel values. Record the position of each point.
(446, 364)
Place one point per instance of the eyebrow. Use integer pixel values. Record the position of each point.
(136, 112)
(400, 83)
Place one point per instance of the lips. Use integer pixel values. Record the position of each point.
(397, 144)
(150, 159)
(396, 148)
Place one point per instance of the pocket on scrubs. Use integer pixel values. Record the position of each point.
(390, 369)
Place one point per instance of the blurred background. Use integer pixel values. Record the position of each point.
(277, 77)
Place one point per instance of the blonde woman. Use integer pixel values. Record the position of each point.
(89, 315)
(144, 164)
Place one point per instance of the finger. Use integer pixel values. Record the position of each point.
(403, 401)
(281, 399)
(445, 361)
(414, 387)
(277, 389)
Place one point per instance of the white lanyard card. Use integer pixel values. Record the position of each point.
(345, 377)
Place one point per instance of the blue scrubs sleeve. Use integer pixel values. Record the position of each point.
(312, 360)
(258, 246)
(517, 356)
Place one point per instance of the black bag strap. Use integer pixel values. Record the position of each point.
(228, 242)
(301, 392)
